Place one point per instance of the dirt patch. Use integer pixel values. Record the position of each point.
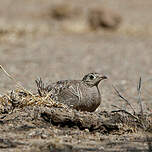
(45, 123)
(59, 40)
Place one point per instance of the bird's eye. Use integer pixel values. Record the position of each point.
(91, 77)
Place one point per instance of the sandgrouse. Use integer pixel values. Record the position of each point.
(83, 95)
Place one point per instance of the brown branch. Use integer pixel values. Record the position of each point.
(118, 93)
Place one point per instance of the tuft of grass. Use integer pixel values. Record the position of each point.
(140, 117)
(21, 97)
(123, 98)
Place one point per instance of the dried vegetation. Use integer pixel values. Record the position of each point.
(23, 111)
(115, 122)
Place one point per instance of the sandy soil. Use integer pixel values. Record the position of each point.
(34, 44)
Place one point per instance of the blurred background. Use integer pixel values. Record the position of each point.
(65, 39)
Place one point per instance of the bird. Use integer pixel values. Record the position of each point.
(82, 95)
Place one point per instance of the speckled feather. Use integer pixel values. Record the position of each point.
(77, 93)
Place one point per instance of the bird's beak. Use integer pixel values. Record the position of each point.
(103, 77)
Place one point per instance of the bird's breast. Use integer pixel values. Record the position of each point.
(90, 98)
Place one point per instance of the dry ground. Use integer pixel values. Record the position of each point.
(34, 44)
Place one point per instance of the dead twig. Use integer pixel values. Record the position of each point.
(118, 93)
(116, 106)
(12, 78)
(40, 86)
(140, 103)
(124, 111)
(139, 96)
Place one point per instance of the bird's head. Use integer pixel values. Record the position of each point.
(93, 79)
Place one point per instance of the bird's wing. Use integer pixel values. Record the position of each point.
(69, 93)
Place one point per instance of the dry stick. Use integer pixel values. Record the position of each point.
(124, 111)
(118, 93)
(7, 74)
(17, 82)
(139, 96)
(116, 107)
(140, 102)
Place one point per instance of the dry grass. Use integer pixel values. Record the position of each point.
(39, 109)
(140, 117)
(21, 97)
